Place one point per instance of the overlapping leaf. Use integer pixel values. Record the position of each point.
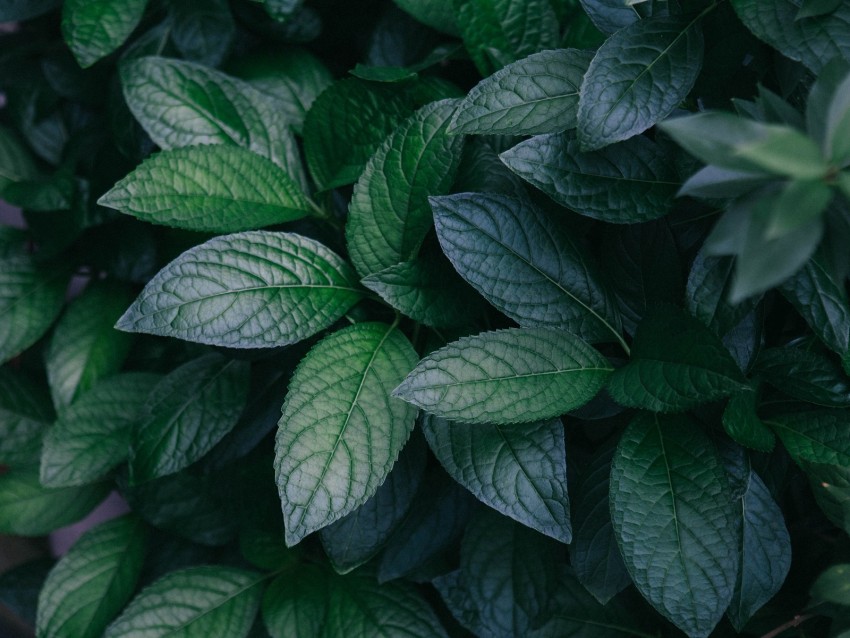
(25, 413)
(94, 29)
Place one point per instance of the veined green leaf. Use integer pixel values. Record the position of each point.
(525, 264)
(389, 214)
(638, 76)
(95, 28)
(216, 188)
(517, 375)
(707, 294)
(198, 601)
(537, 94)
(93, 435)
(186, 414)
(93, 581)
(742, 423)
(814, 436)
(25, 413)
(340, 430)
(248, 290)
(668, 484)
(806, 375)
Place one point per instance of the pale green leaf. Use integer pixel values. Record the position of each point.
(95, 28)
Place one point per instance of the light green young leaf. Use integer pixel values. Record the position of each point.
(93, 435)
(633, 181)
(93, 581)
(814, 436)
(638, 76)
(537, 94)
(517, 375)
(340, 431)
(209, 188)
(85, 346)
(25, 413)
(95, 28)
(193, 603)
(525, 264)
(186, 414)
(668, 484)
(248, 290)
(518, 470)
(389, 214)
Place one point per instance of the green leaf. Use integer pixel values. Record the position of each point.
(668, 485)
(21, 585)
(194, 602)
(320, 604)
(187, 413)
(830, 485)
(633, 181)
(610, 15)
(389, 215)
(248, 290)
(676, 364)
(742, 423)
(713, 182)
(638, 76)
(811, 8)
(518, 470)
(707, 294)
(31, 297)
(764, 552)
(538, 94)
(93, 581)
(814, 436)
(85, 347)
(481, 171)
(16, 162)
(15, 10)
(28, 509)
(813, 41)
(346, 125)
(25, 414)
(437, 14)
(95, 28)
(340, 430)
(833, 585)
(93, 435)
(826, 107)
(202, 33)
(209, 188)
(806, 375)
(517, 375)
(525, 264)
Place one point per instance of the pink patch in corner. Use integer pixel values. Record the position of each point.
(112, 506)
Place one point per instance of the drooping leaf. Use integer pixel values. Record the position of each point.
(668, 484)
(633, 181)
(93, 581)
(248, 290)
(95, 28)
(216, 188)
(93, 435)
(340, 431)
(814, 436)
(25, 414)
(517, 375)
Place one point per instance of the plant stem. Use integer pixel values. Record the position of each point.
(796, 621)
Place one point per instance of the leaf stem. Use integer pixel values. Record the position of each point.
(794, 622)
(319, 212)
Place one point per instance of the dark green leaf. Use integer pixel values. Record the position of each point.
(707, 294)
(830, 485)
(20, 587)
(714, 182)
(95, 28)
(202, 33)
(814, 436)
(611, 15)
(437, 14)
(481, 171)
(16, 163)
(805, 375)
(833, 585)
(25, 414)
(742, 423)
(14, 10)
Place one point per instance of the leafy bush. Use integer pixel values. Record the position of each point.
(551, 295)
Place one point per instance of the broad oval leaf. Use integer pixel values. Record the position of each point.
(389, 214)
(525, 264)
(187, 413)
(192, 603)
(517, 375)
(340, 430)
(215, 188)
(519, 470)
(638, 76)
(25, 414)
(814, 436)
(93, 581)
(633, 181)
(95, 28)
(538, 94)
(668, 484)
(255, 289)
(93, 435)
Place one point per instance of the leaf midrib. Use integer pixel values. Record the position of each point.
(509, 378)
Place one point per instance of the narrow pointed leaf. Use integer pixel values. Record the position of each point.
(95, 28)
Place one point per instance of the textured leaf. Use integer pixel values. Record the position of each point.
(28, 509)
(668, 485)
(610, 15)
(320, 604)
(389, 214)
(85, 346)
(94, 434)
(507, 376)
(95, 28)
(93, 581)
(25, 414)
(814, 436)
(199, 601)
(187, 413)
(676, 363)
(764, 551)
(538, 94)
(340, 431)
(742, 423)
(524, 264)
(249, 290)
(638, 76)
(209, 188)
(518, 470)
(806, 375)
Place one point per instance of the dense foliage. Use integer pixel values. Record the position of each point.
(428, 318)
